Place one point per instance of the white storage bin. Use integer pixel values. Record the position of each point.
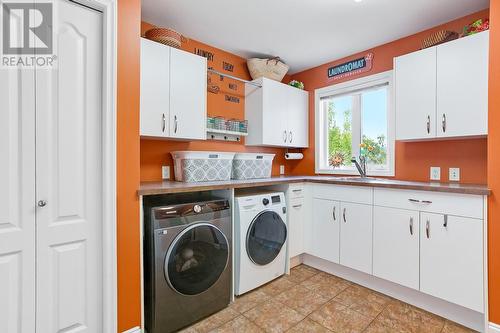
(202, 166)
(252, 166)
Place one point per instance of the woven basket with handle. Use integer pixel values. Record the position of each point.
(272, 68)
(439, 37)
(166, 36)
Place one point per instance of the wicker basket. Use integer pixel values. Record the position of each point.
(439, 37)
(273, 68)
(165, 36)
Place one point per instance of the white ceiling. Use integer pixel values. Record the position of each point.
(304, 33)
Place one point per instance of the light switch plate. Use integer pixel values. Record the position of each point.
(165, 172)
(454, 174)
(282, 169)
(435, 173)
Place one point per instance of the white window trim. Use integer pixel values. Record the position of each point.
(345, 87)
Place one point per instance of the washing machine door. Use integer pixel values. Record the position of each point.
(196, 259)
(265, 237)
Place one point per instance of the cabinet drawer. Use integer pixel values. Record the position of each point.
(363, 195)
(434, 202)
(296, 191)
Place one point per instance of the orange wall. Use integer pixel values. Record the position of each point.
(155, 153)
(412, 159)
(128, 237)
(494, 164)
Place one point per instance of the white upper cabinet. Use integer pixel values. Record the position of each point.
(155, 88)
(451, 259)
(173, 92)
(442, 91)
(462, 87)
(415, 89)
(277, 115)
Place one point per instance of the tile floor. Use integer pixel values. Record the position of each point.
(311, 301)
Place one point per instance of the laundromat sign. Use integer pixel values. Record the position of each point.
(351, 68)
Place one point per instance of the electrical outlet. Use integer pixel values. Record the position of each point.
(282, 169)
(454, 174)
(435, 173)
(165, 172)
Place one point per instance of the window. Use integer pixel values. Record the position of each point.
(356, 119)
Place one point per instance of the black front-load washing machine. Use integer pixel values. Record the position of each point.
(188, 271)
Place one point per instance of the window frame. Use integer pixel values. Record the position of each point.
(321, 126)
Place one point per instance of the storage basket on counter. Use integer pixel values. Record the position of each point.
(252, 166)
(202, 166)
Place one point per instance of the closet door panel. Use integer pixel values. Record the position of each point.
(69, 176)
(17, 201)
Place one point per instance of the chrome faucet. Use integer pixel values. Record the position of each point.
(361, 168)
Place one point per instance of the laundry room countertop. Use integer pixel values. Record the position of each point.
(164, 187)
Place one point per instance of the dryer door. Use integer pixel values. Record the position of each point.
(196, 259)
(265, 237)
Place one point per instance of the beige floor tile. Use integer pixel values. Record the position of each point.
(301, 273)
(238, 325)
(377, 327)
(406, 318)
(215, 320)
(277, 286)
(274, 317)
(302, 300)
(326, 284)
(249, 300)
(308, 326)
(450, 327)
(340, 319)
(363, 300)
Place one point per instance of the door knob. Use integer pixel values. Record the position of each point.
(42, 203)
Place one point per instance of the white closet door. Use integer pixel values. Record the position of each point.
(17, 201)
(68, 176)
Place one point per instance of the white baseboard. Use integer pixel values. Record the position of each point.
(133, 330)
(494, 328)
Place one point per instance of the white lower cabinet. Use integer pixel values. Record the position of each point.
(356, 236)
(396, 245)
(325, 235)
(296, 219)
(451, 259)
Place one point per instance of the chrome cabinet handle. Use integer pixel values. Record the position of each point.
(176, 124)
(343, 214)
(428, 229)
(411, 226)
(297, 206)
(284, 136)
(42, 203)
(419, 201)
(443, 123)
(445, 223)
(334, 213)
(163, 121)
(290, 137)
(428, 124)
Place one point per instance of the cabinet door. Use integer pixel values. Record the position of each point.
(325, 230)
(451, 259)
(415, 91)
(296, 218)
(356, 236)
(462, 86)
(188, 95)
(274, 113)
(298, 118)
(155, 88)
(396, 245)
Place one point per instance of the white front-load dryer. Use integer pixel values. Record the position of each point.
(260, 239)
